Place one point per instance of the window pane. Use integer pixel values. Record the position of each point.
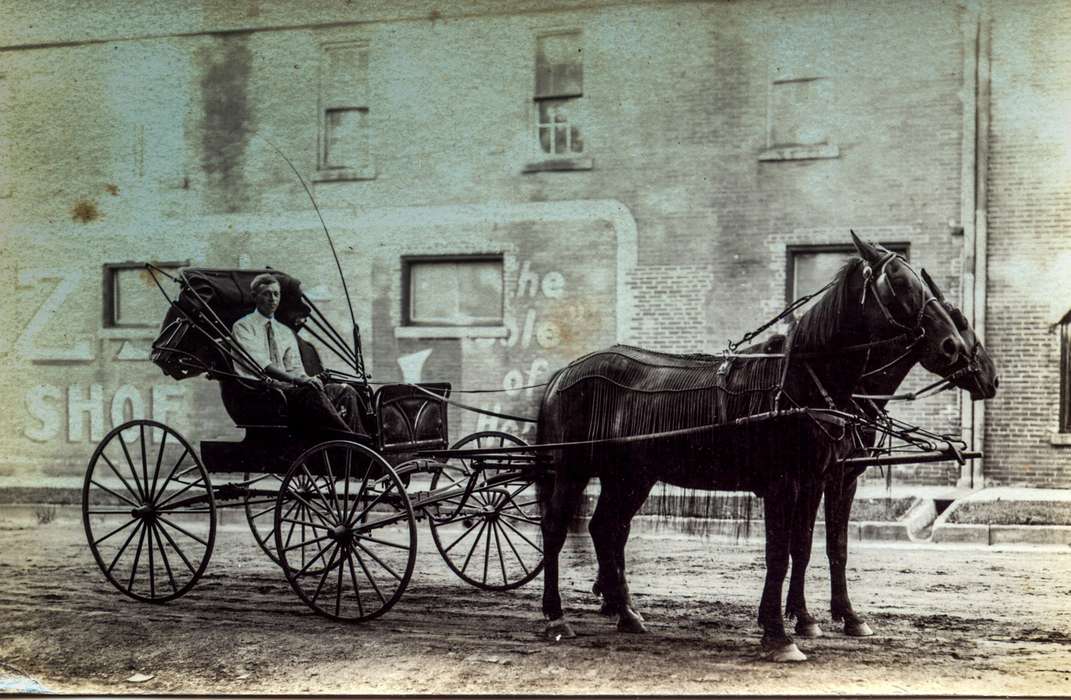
(433, 292)
(137, 300)
(456, 292)
(344, 75)
(558, 130)
(346, 142)
(799, 112)
(559, 65)
(814, 270)
(480, 288)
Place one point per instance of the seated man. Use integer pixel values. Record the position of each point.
(274, 348)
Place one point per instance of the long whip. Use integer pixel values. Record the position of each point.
(358, 365)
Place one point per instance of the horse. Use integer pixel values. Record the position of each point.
(891, 363)
(633, 418)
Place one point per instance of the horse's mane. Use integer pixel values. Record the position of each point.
(820, 324)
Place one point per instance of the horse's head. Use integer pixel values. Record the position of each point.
(897, 302)
(975, 372)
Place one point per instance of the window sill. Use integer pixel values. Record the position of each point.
(1060, 439)
(559, 164)
(129, 333)
(344, 175)
(451, 332)
(822, 150)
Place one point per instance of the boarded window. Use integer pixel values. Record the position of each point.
(345, 128)
(559, 89)
(131, 298)
(454, 291)
(800, 112)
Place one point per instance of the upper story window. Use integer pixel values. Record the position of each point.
(345, 143)
(131, 298)
(559, 108)
(452, 290)
(811, 267)
(799, 114)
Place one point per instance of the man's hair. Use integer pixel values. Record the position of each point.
(262, 280)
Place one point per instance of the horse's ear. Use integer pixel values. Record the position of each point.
(932, 285)
(867, 251)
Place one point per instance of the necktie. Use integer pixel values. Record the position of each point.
(273, 349)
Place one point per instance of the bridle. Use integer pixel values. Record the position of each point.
(885, 296)
(881, 287)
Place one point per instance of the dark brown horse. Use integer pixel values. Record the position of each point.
(712, 438)
(887, 368)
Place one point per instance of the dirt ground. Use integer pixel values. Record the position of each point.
(948, 620)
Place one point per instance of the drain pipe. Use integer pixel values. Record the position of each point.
(973, 212)
(981, 224)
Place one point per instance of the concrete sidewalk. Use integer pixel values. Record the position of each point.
(930, 518)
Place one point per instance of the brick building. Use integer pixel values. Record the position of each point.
(666, 174)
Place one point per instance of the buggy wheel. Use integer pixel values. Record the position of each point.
(260, 511)
(148, 511)
(351, 555)
(493, 540)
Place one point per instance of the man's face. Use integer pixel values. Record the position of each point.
(267, 299)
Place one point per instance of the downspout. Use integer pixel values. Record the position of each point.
(981, 222)
(973, 212)
(970, 24)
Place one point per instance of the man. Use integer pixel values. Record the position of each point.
(275, 350)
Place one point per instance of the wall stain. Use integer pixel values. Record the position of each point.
(225, 73)
(112, 189)
(85, 210)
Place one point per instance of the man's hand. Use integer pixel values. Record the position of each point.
(314, 382)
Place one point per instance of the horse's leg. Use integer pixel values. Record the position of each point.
(609, 527)
(802, 537)
(839, 496)
(779, 501)
(559, 512)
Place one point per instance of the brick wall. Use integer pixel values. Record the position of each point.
(678, 96)
(1029, 240)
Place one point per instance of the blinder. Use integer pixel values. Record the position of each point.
(887, 298)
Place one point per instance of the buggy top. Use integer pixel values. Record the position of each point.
(195, 336)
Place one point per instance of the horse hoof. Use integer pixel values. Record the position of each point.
(808, 630)
(789, 653)
(631, 623)
(858, 629)
(557, 630)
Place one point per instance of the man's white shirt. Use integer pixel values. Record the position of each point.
(252, 333)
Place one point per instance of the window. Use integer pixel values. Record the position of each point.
(1065, 373)
(131, 298)
(558, 103)
(799, 113)
(345, 128)
(453, 291)
(811, 267)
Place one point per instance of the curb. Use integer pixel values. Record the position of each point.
(1002, 534)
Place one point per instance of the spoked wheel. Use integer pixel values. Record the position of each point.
(492, 540)
(345, 531)
(260, 511)
(148, 511)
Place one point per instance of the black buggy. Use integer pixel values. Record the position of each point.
(335, 510)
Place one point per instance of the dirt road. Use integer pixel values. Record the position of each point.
(948, 620)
